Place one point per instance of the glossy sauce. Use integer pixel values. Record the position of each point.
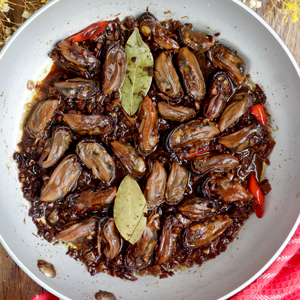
(32, 176)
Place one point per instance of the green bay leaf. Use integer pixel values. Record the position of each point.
(130, 208)
(137, 79)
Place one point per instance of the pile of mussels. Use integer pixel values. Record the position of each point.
(192, 147)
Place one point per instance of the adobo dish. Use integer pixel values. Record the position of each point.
(144, 148)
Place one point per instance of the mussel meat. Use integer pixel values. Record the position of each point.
(99, 198)
(89, 124)
(213, 163)
(96, 158)
(226, 189)
(219, 92)
(168, 238)
(40, 116)
(191, 74)
(175, 113)
(235, 109)
(197, 208)
(76, 58)
(114, 68)
(177, 183)
(193, 132)
(151, 28)
(148, 129)
(79, 88)
(166, 77)
(58, 145)
(228, 61)
(78, 231)
(63, 180)
(132, 162)
(243, 138)
(155, 186)
(195, 40)
(140, 254)
(198, 234)
(109, 241)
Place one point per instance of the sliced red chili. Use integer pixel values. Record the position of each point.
(88, 33)
(194, 154)
(258, 195)
(259, 114)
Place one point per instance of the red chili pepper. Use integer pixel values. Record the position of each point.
(259, 113)
(88, 33)
(258, 195)
(191, 155)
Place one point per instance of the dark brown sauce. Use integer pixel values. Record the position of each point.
(32, 176)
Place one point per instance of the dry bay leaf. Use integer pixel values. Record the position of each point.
(137, 79)
(129, 210)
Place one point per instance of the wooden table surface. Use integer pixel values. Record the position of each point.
(15, 284)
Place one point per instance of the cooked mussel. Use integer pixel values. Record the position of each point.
(148, 129)
(155, 186)
(79, 88)
(89, 124)
(197, 208)
(109, 241)
(228, 61)
(96, 158)
(175, 113)
(219, 92)
(140, 254)
(198, 234)
(225, 188)
(134, 164)
(235, 109)
(151, 28)
(193, 132)
(63, 180)
(243, 138)
(147, 24)
(40, 116)
(166, 77)
(191, 74)
(90, 198)
(167, 242)
(213, 163)
(195, 40)
(78, 231)
(177, 183)
(56, 147)
(114, 68)
(76, 58)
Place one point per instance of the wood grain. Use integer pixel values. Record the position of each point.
(289, 32)
(14, 283)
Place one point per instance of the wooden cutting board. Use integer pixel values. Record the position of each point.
(14, 283)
